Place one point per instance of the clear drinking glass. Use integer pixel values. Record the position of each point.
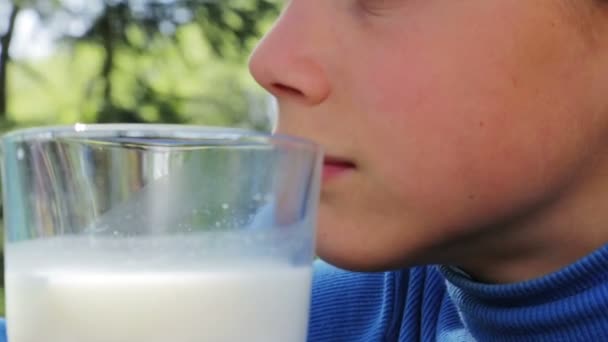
(150, 233)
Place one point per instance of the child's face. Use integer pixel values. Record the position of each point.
(458, 116)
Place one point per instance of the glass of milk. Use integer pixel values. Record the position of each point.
(156, 233)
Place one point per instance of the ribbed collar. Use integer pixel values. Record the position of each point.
(568, 305)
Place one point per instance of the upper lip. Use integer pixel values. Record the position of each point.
(338, 161)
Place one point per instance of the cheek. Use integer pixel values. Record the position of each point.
(454, 142)
(451, 166)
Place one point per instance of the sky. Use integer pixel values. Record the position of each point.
(35, 38)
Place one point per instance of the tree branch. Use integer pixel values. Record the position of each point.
(107, 33)
(5, 42)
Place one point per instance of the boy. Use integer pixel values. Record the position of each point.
(471, 134)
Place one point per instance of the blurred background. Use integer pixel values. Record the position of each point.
(135, 61)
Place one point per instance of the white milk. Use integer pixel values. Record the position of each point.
(263, 302)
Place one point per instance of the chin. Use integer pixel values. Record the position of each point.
(348, 243)
(357, 260)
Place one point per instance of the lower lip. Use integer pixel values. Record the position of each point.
(335, 170)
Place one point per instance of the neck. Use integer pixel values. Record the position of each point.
(557, 233)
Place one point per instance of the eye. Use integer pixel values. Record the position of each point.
(377, 7)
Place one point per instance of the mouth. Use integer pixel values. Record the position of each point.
(334, 168)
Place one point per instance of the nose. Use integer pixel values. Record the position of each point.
(287, 62)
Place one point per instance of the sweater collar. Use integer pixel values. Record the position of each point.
(571, 304)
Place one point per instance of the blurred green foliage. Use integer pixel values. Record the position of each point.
(171, 61)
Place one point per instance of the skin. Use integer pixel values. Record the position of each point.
(477, 130)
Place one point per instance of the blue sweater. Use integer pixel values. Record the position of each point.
(436, 303)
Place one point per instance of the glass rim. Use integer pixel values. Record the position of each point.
(150, 130)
